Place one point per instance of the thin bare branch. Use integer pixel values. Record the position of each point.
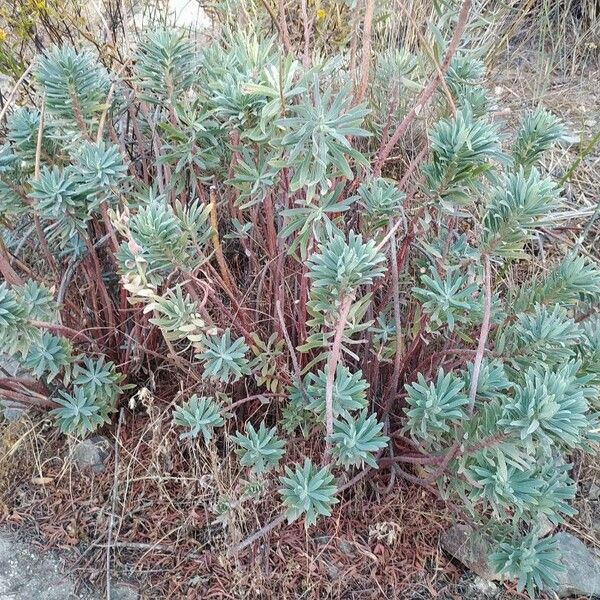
(13, 92)
(428, 90)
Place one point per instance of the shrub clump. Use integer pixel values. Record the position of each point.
(220, 215)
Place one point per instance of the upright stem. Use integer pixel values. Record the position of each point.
(217, 245)
(291, 349)
(274, 264)
(269, 216)
(110, 230)
(301, 333)
(306, 25)
(79, 117)
(99, 284)
(36, 175)
(485, 329)
(108, 102)
(393, 385)
(11, 95)
(366, 52)
(334, 356)
(428, 90)
(283, 28)
(353, 40)
(115, 495)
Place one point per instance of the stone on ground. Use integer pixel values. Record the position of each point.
(471, 548)
(91, 454)
(582, 568)
(27, 573)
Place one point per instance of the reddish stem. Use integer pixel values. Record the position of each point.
(334, 356)
(428, 90)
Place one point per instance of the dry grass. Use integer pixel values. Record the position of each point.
(175, 517)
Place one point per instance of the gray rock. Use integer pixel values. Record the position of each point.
(332, 570)
(8, 365)
(471, 548)
(26, 573)
(582, 568)
(594, 492)
(323, 540)
(347, 548)
(123, 591)
(483, 588)
(595, 506)
(13, 413)
(91, 454)
(545, 526)
(473, 587)
(570, 139)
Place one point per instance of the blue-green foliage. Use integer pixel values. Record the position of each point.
(464, 77)
(349, 392)
(551, 406)
(462, 148)
(447, 300)
(538, 132)
(78, 413)
(435, 406)
(99, 378)
(544, 334)
(261, 449)
(572, 280)
(28, 313)
(493, 381)
(316, 219)
(316, 137)
(165, 237)
(165, 66)
(232, 70)
(224, 359)
(534, 562)
(308, 491)
(96, 387)
(340, 267)
(23, 130)
(48, 356)
(176, 315)
(204, 146)
(380, 200)
(100, 167)
(516, 207)
(74, 84)
(19, 307)
(198, 415)
(356, 440)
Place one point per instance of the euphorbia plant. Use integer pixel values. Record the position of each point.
(228, 212)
